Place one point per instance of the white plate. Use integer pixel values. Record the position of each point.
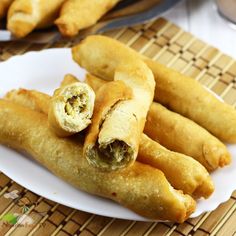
(44, 71)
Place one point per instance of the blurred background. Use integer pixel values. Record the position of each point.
(201, 18)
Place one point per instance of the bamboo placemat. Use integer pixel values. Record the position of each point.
(170, 45)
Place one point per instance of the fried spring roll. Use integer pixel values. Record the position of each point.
(26, 15)
(189, 98)
(71, 108)
(4, 5)
(192, 178)
(139, 187)
(182, 135)
(183, 172)
(99, 54)
(105, 147)
(179, 134)
(79, 14)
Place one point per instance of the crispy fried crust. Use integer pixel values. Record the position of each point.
(79, 14)
(189, 98)
(183, 95)
(192, 178)
(107, 57)
(182, 171)
(139, 187)
(26, 15)
(180, 134)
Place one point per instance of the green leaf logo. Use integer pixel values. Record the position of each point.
(10, 218)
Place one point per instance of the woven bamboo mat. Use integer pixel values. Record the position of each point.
(167, 43)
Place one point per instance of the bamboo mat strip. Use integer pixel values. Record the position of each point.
(163, 41)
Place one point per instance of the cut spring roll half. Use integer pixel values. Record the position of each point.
(79, 14)
(139, 187)
(4, 5)
(26, 15)
(71, 108)
(100, 55)
(106, 148)
(192, 178)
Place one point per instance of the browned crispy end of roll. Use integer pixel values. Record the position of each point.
(181, 134)
(139, 187)
(183, 172)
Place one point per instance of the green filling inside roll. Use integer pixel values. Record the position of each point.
(75, 105)
(113, 156)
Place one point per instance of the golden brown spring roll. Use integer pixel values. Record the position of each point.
(139, 187)
(182, 135)
(71, 109)
(4, 5)
(124, 125)
(179, 134)
(26, 15)
(79, 14)
(192, 178)
(188, 97)
(183, 172)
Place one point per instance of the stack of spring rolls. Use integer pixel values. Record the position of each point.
(131, 132)
(70, 16)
